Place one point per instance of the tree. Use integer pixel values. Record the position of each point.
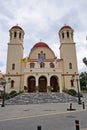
(83, 80)
(85, 61)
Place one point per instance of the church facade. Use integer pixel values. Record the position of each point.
(41, 71)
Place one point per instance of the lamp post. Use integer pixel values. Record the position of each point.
(79, 99)
(3, 83)
(77, 80)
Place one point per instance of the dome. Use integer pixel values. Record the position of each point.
(65, 27)
(40, 44)
(17, 27)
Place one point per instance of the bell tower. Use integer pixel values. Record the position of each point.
(68, 55)
(15, 54)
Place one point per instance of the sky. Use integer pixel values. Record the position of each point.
(41, 20)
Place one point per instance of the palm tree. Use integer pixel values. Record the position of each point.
(85, 61)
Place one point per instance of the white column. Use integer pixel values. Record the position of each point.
(48, 80)
(37, 80)
(60, 85)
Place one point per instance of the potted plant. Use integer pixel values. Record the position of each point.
(37, 88)
(58, 88)
(49, 88)
(25, 88)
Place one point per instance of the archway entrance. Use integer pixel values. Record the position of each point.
(42, 84)
(31, 84)
(54, 83)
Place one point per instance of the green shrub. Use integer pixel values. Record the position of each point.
(49, 87)
(25, 88)
(72, 92)
(12, 93)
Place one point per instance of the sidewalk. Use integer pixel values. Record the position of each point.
(15, 112)
(32, 110)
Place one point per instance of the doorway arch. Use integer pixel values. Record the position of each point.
(31, 84)
(54, 83)
(42, 84)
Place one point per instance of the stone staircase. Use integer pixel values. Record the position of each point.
(37, 98)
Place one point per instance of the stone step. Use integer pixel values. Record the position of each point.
(36, 98)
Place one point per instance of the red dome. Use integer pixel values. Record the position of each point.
(41, 44)
(17, 27)
(66, 26)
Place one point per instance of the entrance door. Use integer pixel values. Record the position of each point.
(42, 84)
(54, 83)
(31, 84)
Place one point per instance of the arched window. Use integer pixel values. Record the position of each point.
(12, 83)
(67, 34)
(44, 56)
(20, 35)
(13, 66)
(51, 65)
(32, 65)
(63, 35)
(10, 35)
(70, 65)
(72, 83)
(15, 34)
(72, 35)
(42, 65)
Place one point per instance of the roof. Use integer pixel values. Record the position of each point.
(17, 27)
(41, 44)
(65, 26)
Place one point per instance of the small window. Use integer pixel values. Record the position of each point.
(42, 65)
(15, 34)
(44, 56)
(38, 55)
(13, 66)
(63, 35)
(20, 35)
(72, 83)
(72, 35)
(32, 65)
(67, 34)
(70, 65)
(10, 35)
(51, 65)
(12, 83)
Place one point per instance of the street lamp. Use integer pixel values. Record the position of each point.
(79, 99)
(3, 83)
(77, 80)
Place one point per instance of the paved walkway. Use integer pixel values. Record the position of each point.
(32, 110)
(12, 112)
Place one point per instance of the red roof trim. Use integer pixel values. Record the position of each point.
(41, 44)
(16, 27)
(66, 26)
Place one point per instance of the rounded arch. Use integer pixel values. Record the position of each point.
(54, 83)
(42, 84)
(31, 81)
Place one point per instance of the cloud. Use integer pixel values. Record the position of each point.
(42, 20)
